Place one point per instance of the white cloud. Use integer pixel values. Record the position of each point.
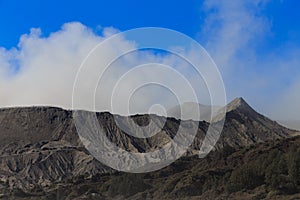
(42, 71)
(233, 33)
(232, 27)
(47, 66)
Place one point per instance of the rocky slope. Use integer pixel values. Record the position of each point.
(244, 126)
(39, 146)
(267, 171)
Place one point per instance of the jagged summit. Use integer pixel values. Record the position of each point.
(239, 103)
(207, 111)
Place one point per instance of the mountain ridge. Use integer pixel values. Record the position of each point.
(32, 138)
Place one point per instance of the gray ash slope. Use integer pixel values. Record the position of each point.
(40, 145)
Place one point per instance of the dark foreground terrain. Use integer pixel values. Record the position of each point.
(42, 157)
(269, 170)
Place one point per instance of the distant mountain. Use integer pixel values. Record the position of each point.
(206, 111)
(39, 146)
(245, 126)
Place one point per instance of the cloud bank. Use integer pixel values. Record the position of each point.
(42, 71)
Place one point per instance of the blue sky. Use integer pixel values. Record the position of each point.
(17, 17)
(255, 44)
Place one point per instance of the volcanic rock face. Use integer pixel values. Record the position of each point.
(40, 145)
(244, 126)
